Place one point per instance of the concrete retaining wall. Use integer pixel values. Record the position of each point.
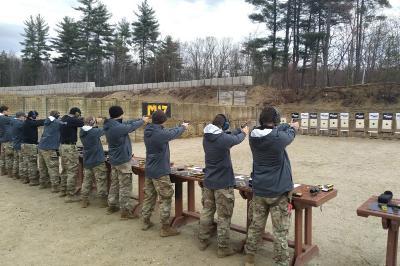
(89, 87)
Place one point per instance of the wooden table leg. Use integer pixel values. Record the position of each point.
(308, 226)
(138, 208)
(191, 196)
(298, 234)
(392, 243)
(178, 220)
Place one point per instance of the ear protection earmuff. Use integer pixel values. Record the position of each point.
(226, 124)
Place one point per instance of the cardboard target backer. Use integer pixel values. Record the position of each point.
(324, 123)
(397, 116)
(360, 121)
(387, 121)
(313, 120)
(304, 120)
(344, 120)
(333, 120)
(283, 120)
(373, 120)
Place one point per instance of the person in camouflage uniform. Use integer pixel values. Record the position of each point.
(29, 148)
(48, 153)
(93, 162)
(219, 181)
(6, 154)
(120, 152)
(69, 154)
(18, 171)
(157, 169)
(272, 184)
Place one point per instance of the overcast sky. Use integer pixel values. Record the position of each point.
(183, 19)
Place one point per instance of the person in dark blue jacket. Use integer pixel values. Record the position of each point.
(219, 182)
(158, 168)
(120, 152)
(272, 184)
(48, 153)
(6, 155)
(93, 162)
(18, 170)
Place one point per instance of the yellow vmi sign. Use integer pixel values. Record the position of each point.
(149, 108)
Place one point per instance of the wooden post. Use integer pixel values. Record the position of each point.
(308, 226)
(392, 243)
(298, 232)
(191, 196)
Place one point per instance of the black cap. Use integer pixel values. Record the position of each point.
(33, 114)
(75, 110)
(115, 111)
(159, 117)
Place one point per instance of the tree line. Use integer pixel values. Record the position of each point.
(307, 44)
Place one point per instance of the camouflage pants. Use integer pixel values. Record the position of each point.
(100, 174)
(9, 157)
(69, 166)
(3, 160)
(163, 187)
(30, 163)
(221, 201)
(121, 187)
(49, 168)
(17, 164)
(278, 207)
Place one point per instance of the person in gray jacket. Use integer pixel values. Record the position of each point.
(158, 168)
(93, 162)
(219, 181)
(49, 171)
(120, 152)
(18, 170)
(272, 184)
(6, 155)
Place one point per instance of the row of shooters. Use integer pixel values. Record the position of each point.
(272, 178)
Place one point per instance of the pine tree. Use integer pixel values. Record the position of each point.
(169, 59)
(66, 44)
(121, 50)
(96, 37)
(145, 33)
(36, 50)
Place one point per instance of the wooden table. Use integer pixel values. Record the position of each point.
(390, 222)
(304, 249)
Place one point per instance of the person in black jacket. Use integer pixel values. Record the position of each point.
(219, 182)
(272, 184)
(69, 154)
(17, 138)
(158, 168)
(29, 147)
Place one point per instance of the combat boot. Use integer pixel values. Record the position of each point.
(43, 186)
(103, 203)
(62, 194)
(54, 189)
(225, 252)
(125, 215)
(85, 203)
(32, 184)
(112, 209)
(203, 244)
(167, 230)
(249, 260)
(25, 181)
(147, 224)
(71, 198)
